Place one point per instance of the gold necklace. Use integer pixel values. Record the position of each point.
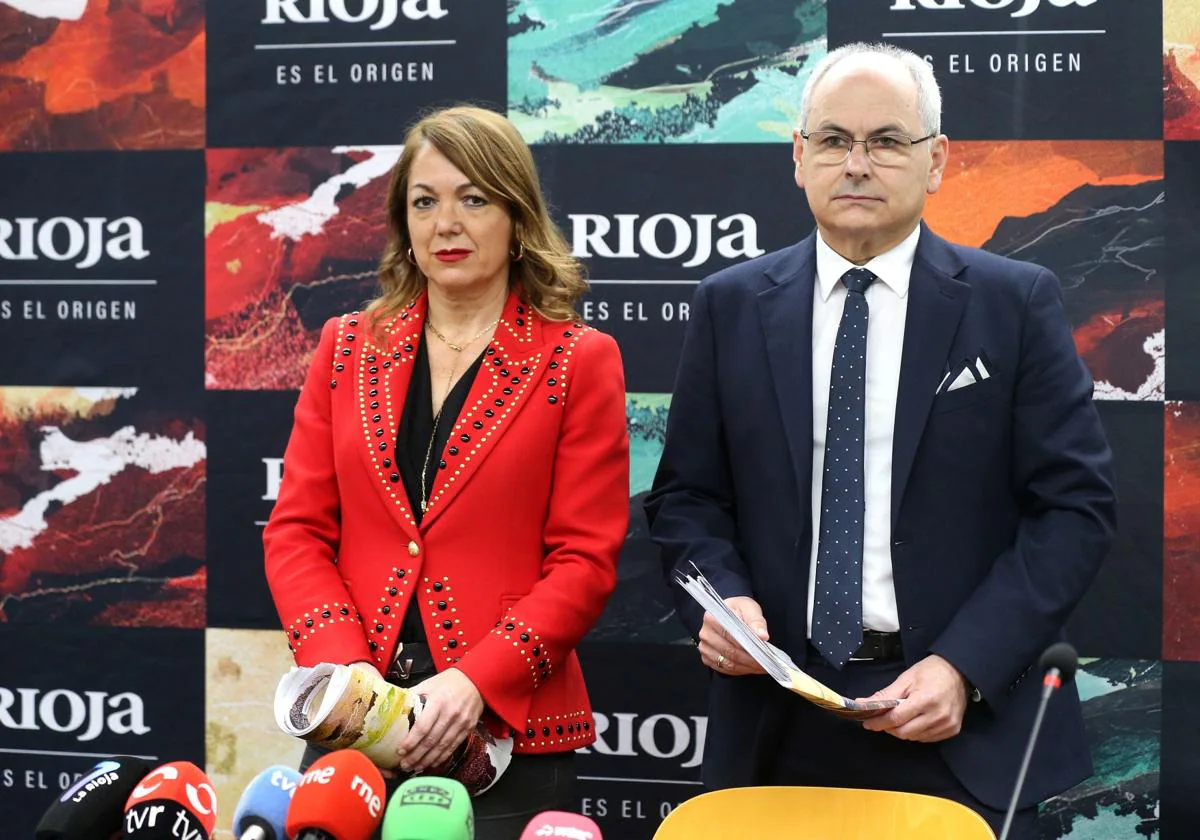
(458, 348)
(437, 418)
(432, 437)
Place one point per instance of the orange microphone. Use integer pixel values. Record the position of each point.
(175, 800)
(340, 797)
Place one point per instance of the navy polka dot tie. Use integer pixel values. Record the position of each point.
(837, 606)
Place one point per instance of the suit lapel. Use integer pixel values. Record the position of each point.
(935, 306)
(512, 363)
(384, 372)
(785, 311)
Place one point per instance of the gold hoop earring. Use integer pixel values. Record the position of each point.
(520, 255)
(412, 257)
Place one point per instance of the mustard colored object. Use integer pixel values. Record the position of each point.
(818, 813)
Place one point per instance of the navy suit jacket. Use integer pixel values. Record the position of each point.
(1003, 501)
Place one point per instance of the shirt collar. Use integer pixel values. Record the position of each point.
(893, 267)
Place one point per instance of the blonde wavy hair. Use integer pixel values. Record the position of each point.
(489, 150)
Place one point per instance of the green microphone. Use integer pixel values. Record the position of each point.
(429, 808)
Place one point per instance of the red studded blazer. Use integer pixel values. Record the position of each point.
(517, 553)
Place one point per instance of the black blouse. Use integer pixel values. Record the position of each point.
(412, 443)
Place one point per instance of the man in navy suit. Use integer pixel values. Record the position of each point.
(882, 451)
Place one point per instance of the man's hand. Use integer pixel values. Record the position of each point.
(720, 652)
(452, 708)
(935, 699)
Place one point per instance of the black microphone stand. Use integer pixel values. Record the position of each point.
(1059, 663)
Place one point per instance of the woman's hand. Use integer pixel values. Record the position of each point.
(452, 708)
(368, 666)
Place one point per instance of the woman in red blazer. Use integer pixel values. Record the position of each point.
(457, 478)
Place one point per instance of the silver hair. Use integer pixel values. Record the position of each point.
(929, 96)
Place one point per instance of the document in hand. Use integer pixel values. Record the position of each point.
(778, 665)
(346, 707)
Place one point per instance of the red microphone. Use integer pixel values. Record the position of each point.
(175, 800)
(561, 824)
(340, 797)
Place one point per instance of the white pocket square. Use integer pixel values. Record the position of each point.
(966, 376)
(982, 368)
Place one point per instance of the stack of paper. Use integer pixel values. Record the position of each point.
(778, 665)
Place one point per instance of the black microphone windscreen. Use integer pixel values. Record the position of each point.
(1061, 656)
(94, 807)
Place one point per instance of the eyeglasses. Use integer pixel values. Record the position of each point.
(833, 147)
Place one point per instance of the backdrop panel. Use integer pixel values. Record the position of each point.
(651, 718)
(651, 222)
(240, 735)
(641, 608)
(1181, 70)
(672, 71)
(1181, 532)
(1183, 268)
(1180, 749)
(1006, 68)
(1122, 611)
(1122, 707)
(311, 73)
(100, 254)
(248, 433)
(1094, 214)
(101, 74)
(104, 497)
(70, 697)
(293, 237)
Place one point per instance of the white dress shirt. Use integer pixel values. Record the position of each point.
(887, 302)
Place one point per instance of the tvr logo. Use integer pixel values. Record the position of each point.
(382, 13)
(1027, 7)
(147, 817)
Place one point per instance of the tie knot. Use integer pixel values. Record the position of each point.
(857, 279)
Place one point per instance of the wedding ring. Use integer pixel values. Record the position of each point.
(720, 661)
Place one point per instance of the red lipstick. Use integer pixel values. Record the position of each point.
(452, 255)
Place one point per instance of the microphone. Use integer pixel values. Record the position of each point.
(262, 811)
(93, 808)
(340, 797)
(429, 808)
(174, 801)
(561, 824)
(1058, 663)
